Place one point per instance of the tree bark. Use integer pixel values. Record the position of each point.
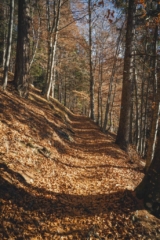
(92, 116)
(21, 78)
(9, 44)
(37, 37)
(124, 125)
(149, 188)
(156, 109)
(3, 34)
(111, 83)
(99, 99)
(52, 45)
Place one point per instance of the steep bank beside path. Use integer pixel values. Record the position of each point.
(62, 178)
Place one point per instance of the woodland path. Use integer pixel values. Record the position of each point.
(53, 188)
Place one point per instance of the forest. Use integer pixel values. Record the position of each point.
(79, 119)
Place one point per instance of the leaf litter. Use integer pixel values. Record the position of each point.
(62, 178)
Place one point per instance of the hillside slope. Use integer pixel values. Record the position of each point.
(62, 178)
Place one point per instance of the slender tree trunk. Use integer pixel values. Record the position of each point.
(9, 44)
(124, 125)
(60, 89)
(114, 94)
(4, 47)
(4, 17)
(156, 108)
(98, 97)
(92, 116)
(52, 45)
(50, 42)
(35, 46)
(141, 112)
(65, 90)
(145, 121)
(100, 92)
(52, 66)
(111, 82)
(131, 125)
(136, 134)
(53, 83)
(101, 109)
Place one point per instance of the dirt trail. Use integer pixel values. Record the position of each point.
(62, 178)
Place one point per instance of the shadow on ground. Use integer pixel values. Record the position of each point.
(28, 211)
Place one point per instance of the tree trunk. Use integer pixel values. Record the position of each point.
(52, 45)
(65, 90)
(3, 37)
(99, 100)
(50, 82)
(141, 125)
(9, 43)
(136, 135)
(111, 82)
(124, 125)
(149, 188)
(37, 37)
(92, 116)
(53, 83)
(22, 56)
(156, 109)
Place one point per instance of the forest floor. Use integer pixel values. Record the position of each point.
(62, 178)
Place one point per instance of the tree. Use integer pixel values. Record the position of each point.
(90, 61)
(21, 77)
(8, 48)
(52, 27)
(36, 31)
(111, 81)
(122, 138)
(155, 106)
(149, 188)
(3, 32)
